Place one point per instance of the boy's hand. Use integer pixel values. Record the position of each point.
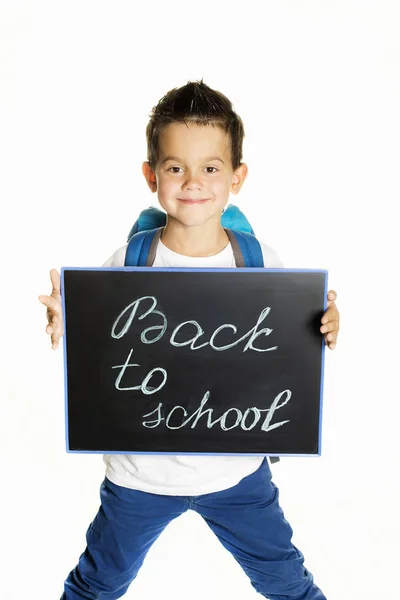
(55, 325)
(330, 321)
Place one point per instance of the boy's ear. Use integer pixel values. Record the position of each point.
(150, 176)
(238, 178)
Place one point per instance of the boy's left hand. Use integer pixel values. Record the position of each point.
(330, 321)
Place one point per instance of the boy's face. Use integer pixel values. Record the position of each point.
(194, 174)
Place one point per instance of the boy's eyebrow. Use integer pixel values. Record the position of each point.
(169, 157)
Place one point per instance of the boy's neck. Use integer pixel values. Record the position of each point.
(204, 240)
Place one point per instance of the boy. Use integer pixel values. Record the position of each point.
(194, 143)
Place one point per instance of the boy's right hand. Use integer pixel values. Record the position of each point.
(55, 325)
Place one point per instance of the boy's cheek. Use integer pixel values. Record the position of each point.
(167, 189)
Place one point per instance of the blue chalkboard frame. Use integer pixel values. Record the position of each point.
(199, 270)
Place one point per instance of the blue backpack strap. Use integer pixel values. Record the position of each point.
(142, 248)
(246, 249)
(142, 245)
(149, 218)
(233, 218)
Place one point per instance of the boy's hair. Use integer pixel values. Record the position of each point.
(195, 103)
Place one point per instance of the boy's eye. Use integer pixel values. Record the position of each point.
(215, 169)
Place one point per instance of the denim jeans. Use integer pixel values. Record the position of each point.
(246, 518)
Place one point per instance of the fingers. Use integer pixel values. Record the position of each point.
(331, 336)
(55, 338)
(331, 321)
(332, 314)
(331, 345)
(55, 282)
(330, 326)
(330, 331)
(332, 295)
(53, 322)
(50, 302)
(55, 327)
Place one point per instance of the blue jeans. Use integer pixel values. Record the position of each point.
(246, 518)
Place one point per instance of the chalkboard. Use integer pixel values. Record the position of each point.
(193, 361)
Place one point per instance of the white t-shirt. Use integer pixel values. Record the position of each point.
(183, 475)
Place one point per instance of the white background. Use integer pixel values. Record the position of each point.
(317, 84)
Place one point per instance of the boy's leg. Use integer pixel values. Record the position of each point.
(124, 529)
(249, 523)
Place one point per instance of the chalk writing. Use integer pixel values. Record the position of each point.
(134, 306)
(144, 385)
(131, 310)
(119, 329)
(240, 417)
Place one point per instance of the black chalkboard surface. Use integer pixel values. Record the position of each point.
(179, 361)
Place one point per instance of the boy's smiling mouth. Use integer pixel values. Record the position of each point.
(192, 200)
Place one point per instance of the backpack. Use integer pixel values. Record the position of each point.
(146, 231)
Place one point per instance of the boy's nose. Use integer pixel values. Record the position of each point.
(191, 184)
(192, 180)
